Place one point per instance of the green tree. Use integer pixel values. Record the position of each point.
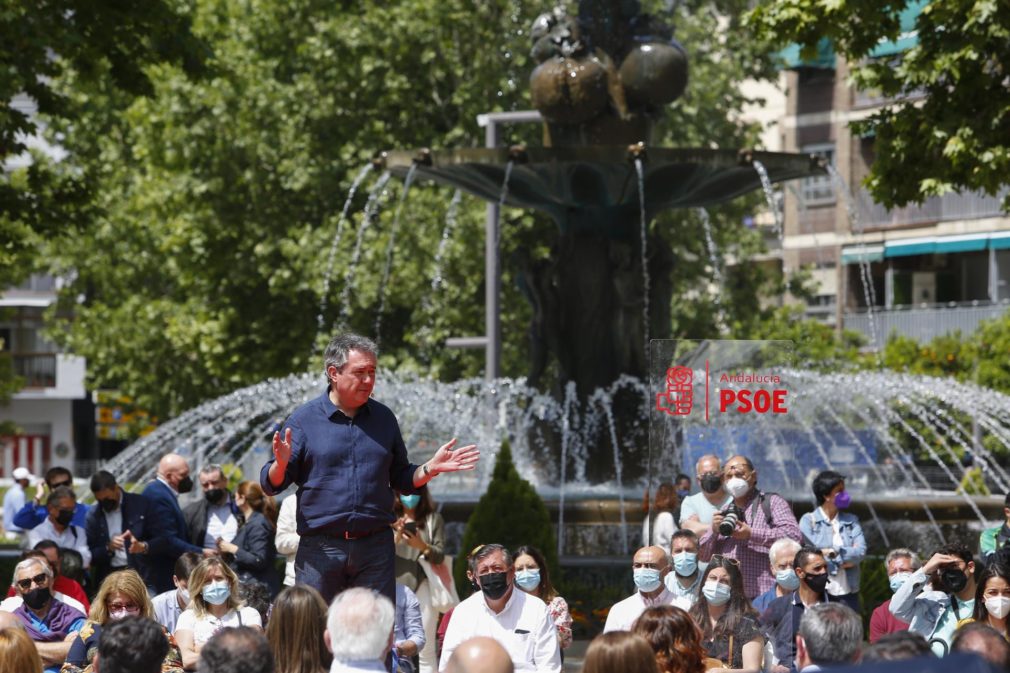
(509, 513)
(957, 137)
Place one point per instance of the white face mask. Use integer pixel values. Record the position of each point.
(737, 487)
(998, 606)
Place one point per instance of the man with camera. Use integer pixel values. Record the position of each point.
(746, 528)
(935, 610)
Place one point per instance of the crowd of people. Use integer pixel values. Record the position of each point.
(727, 578)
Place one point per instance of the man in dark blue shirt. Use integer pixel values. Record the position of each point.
(345, 453)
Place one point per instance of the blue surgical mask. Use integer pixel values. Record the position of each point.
(647, 579)
(716, 593)
(897, 579)
(216, 593)
(683, 493)
(787, 579)
(685, 563)
(528, 580)
(410, 501)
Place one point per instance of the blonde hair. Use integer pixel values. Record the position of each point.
(295, 631)
(18, 653)
(126, 582)
(198, 579)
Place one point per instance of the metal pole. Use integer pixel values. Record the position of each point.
(492, 276)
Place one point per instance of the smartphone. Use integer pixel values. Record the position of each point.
(410, 527)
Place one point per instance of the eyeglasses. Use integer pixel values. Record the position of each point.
(120, 607)
(39, 580)
(719, 558)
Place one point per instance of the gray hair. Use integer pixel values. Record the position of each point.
(210, 468)
(901, 552)
(832, 633)
(486, 551)
(28, 563)
(360, 623)
(783, 543)
(341, 345)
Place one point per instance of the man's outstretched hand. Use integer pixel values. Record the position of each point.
(282, 447)
(446, 459)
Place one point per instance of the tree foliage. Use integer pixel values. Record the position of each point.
(951, 132)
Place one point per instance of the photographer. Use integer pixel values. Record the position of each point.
(935, 611)
(753, 521)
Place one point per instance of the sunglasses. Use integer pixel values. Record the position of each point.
(719, 558)
(39, 580)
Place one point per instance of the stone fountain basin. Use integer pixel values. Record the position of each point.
(557, 180)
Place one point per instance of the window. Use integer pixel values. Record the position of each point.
(819, 191)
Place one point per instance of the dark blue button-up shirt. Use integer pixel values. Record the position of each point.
(345, 468)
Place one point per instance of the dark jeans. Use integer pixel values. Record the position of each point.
(330, 564)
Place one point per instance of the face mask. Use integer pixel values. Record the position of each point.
(817, 583)
(37, 598)
(116, 615)
(528, 580)
(843, 500)
(953, 580)
(897, 579)
(711, 483)
(474, 585)
(737, 487)
(109, 505)
(494, 585)
(410, 501)
(216, 593)
(998, 606)
(215, 496)
(185, 485)
(685, 563)
(683, 493)
(716, 593)
(64, 517)
(647, 579)
(787, 579)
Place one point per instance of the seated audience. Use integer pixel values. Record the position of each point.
(685, 580)
(237, 650)
(781, 620)
(659, 526)
(480, 655)
(649, 566)
(295, 631)
(359, 631)
(900, 564)
(674, 638)
(729, 625)
(992, 598)
(64, 588)
(48, 621)
(132, 645)
(897, 646)
(17, 651)
(35, 512)
(781, 555)
(213, 604)
(251, 552)
(170, 604)
(533, 576)
(619, 652)
(122, 594)
(984, 641)
(57, 525)
(830, 634)
(113, 525)
(519, 621)
(408, 631)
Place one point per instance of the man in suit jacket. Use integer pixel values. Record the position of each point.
(171, 538)
(116, 528)
(215, 515)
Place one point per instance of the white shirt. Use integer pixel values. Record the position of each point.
(115, 522)
(357, 667)
(624, 614)
(663, 528)
(838, 584)
(286, 540)
(699, 504)
(14, 500)
(166, 609)
(205, 627)
(221, 523)
(72, 537)
(524, 628)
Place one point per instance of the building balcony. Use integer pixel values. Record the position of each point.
(48, 375)
(923, 322)
(946, 208)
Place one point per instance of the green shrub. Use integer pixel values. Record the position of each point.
(510, 513)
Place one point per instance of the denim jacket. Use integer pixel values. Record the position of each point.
(818, 532)
(919, 605)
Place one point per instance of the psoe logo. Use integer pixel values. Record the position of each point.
(679, 395)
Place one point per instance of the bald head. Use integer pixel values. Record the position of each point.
(170, 463)
(479, 655)
(8, 620)
(654, 557)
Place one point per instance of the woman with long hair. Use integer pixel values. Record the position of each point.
(992, 598)
(619, 652)
(295, 631)
(673, 637)
(729, 625)
(252, 552)
(419, 533)
(122, 594)
(17, 652)
(533, 577)
(213, 605)
(659, 526)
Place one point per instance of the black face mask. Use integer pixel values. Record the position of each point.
(817, 582)
(953, 580)
(494, 585)
(185, 485)
(64, 517)
(474, 585)
(109, 505)
(37, 598)
(710, 483)
(215, 496)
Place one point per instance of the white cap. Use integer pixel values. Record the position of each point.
(22, 473)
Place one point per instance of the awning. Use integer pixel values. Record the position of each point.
(908, 35)
(926, 245)
(862, 253)
(823, 57)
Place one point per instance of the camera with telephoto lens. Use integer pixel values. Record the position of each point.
(730, 516)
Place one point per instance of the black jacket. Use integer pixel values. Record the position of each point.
(256, 557)
(196, 519)
(135, 509)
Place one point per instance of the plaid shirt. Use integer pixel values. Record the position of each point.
(752, 553)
